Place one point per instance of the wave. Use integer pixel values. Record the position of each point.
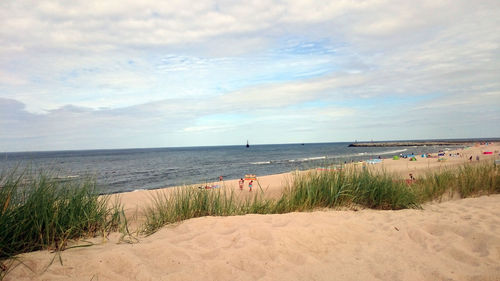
(67, 178)
(288, 160)
(313, 158)
(376, 153)
(316, 158)
(360, 154)
(391, 151)
(260, 163)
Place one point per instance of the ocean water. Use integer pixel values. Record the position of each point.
(132, 169)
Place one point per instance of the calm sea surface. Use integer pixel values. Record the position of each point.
(132, 169)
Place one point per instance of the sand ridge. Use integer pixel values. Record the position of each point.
(455, 240)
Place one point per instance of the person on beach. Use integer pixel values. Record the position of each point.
(242, 182)
(220, 178)
(250, 185)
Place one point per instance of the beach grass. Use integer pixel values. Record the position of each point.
(191, 202)
(326, 189)
(39, 211)
(463, 181)
(345, 187)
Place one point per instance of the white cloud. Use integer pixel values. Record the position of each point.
(207, 128)
(143, 67)
(12, 80)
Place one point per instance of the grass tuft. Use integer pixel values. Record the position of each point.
(42, 212)
(463, 181)
(340, 188)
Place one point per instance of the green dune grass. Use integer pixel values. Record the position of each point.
(327, 189)
(41, 212)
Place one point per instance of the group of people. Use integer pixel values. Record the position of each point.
(241, 183)
(477, 158)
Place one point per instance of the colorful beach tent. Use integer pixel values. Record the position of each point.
(395, 157)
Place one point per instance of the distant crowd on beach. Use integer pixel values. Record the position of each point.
(241, 183)
(440, 155)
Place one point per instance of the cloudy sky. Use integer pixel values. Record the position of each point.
(123, 74)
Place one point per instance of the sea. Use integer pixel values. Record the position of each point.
(122, 170)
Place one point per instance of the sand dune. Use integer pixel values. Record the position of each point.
(456, 240)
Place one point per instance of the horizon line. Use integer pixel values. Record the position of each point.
(261, 144)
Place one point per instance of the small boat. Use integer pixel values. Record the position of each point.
(248, 144)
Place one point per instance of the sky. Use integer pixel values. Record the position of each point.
(136, 74)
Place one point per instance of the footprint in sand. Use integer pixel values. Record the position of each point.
(261, 234)
(279, 222)
(462, 256)
(418, 236)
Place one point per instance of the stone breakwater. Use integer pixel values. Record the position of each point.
(409, 143)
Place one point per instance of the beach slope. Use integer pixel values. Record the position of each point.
(455, 240)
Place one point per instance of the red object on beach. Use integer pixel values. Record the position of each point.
(488, 152)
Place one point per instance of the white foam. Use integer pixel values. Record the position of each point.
(391, 152)
(261, 163)
(313, 158)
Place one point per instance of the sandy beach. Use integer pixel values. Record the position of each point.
(366, 133)
(272, 185)
(453, 240)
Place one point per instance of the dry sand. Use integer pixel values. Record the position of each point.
(455, 240)
(273, 185)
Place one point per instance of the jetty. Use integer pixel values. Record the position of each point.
(415, 143)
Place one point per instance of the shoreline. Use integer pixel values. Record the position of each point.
(148, 169)
(273, 185)
(340, 161)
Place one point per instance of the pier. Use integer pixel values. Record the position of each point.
(412, 143)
